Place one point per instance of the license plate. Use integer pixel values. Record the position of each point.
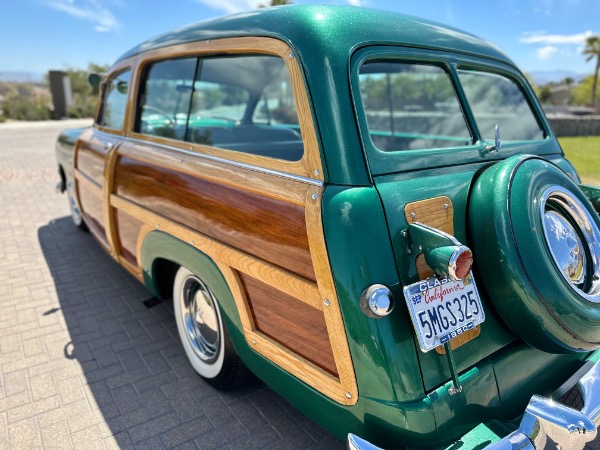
(442, 309)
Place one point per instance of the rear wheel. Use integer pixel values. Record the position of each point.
(204, 334)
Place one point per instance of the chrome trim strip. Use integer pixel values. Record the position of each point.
(356, 443)
(229, 162)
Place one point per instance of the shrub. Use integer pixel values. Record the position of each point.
(27, 108)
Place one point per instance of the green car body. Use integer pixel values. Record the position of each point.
(405, 396)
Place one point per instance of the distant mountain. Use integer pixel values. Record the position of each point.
(554, 76)
(22, 77)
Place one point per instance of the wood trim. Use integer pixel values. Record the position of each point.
(230, 260)
(94, 188)
(109, 218)
(289, 361)
(282, 280)
(331, 308)
(274, 187)
(437, 212)
(309, 166)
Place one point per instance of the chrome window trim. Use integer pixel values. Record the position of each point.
(254, 168)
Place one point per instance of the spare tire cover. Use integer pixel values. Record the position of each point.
(536, 248)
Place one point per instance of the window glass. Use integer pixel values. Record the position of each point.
(241, 103)
(497, 100)
(114, 103)
(165, 99)
(246, 104)
(411, 107)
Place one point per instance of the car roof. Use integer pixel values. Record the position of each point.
(332, 30)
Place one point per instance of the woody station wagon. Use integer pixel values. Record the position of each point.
(367, 210)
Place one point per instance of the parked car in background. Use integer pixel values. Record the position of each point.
(367, 210)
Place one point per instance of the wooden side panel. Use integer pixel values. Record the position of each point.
(436, 212)
(91, 197)
(270, 229)
(90, 162)
(294, 324)
(128, 232)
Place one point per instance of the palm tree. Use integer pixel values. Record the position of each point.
(592, 50)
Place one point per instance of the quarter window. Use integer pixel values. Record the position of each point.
(112, 114)
(240, 103)
(411, 107)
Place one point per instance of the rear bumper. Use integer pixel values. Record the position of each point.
(547, 423)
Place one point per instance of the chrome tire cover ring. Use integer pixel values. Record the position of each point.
(200, 319)
(573, 240)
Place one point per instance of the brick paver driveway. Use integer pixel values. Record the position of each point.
(84, 364)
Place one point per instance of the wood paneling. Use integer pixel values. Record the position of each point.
(437, 212)
(128, 232)
(91, 196)
(294, 324)
(270, 229)
(90, 162)
(280, 279)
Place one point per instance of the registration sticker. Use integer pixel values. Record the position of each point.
(442, 309)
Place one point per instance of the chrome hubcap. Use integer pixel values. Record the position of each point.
(566, 246)
(574, 241)
(198, 309)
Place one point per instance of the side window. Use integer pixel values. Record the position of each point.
(497, 100)
(241, 103)
(411, 107)
(114, 101)
(246, 104)
(164, 101)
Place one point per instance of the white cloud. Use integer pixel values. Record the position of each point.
(546, 52)
(91, 10)
(233, 6)
(355, 2)
(554, 39)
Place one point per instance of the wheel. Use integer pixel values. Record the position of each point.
(204, 334)
(536, 245)
(74, 207)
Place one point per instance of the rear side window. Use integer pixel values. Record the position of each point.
(411, 107)
(114, 102)
(241, 103)
(497, 100)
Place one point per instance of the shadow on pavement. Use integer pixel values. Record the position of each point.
(137, 372)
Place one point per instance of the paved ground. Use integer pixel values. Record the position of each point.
(84, 364)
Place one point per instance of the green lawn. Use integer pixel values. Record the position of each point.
(584, 154)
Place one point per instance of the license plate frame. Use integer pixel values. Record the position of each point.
(442, 309)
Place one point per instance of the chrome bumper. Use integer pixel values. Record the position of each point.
(546, 423)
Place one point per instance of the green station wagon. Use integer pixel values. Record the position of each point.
(367, 210)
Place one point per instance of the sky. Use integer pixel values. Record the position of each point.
(39, 35)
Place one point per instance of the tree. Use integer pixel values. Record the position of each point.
(277, 3)
(592, 51)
